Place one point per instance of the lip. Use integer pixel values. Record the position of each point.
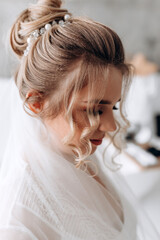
(96, 141)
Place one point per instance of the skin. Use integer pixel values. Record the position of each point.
(112, 94)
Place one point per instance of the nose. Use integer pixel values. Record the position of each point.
(107, 124)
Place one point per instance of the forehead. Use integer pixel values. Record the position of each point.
(108, 88)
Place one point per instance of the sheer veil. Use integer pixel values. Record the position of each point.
(35, 173)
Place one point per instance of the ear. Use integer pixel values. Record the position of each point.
(37, 106)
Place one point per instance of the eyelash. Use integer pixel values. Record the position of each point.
(100, 112)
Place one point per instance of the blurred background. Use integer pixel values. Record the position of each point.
(137, 24)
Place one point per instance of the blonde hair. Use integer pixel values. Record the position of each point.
(48, 68)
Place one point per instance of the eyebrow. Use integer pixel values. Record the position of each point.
(102, 101)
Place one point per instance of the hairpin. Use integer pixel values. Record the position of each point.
(39, 32)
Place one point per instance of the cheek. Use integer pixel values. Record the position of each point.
(59, 126)
(79, 124)
(81, 120)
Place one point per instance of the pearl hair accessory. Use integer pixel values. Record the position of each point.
(39, 32)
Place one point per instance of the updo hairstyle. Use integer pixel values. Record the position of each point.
(54, 54)
(83, 45)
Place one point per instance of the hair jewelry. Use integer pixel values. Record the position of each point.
(38, 32)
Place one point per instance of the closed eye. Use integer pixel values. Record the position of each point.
(98, 112)
(94, 112)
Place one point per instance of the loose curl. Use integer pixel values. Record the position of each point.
(50, 67)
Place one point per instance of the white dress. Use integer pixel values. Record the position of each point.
(44, 197)
(36, 215)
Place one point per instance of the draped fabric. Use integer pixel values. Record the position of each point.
(43, 196)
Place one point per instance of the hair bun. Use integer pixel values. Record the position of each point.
(44, 7)
(51, 3)
(36, 16)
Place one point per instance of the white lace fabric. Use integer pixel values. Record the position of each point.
(43, 196)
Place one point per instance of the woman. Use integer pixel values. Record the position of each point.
(70, 77)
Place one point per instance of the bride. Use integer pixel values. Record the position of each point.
(72, 74)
